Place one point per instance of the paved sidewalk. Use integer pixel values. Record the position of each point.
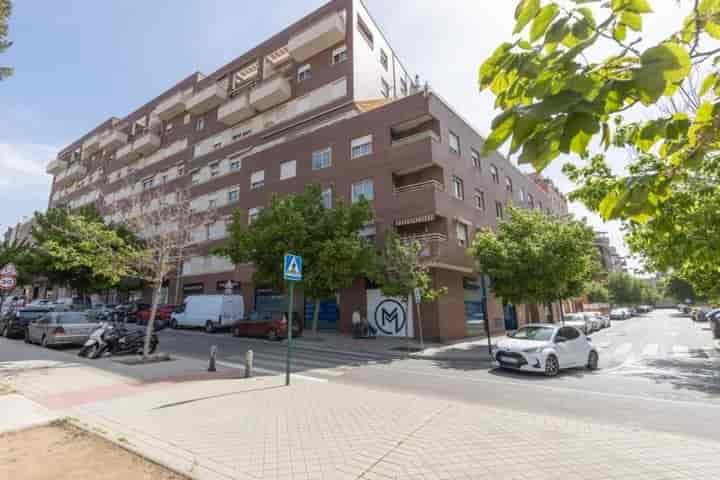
(259, 429)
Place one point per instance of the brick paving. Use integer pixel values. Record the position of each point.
(258, 429)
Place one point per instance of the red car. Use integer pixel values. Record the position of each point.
(272, 325)
(162, 316)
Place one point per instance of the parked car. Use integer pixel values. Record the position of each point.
(40, 302)
(619, 314)
(602, 320)
(15, 324)
(580, 321)
(211, 312)
(272, 325)
(162, 316)
(546, 348)
(61, 328)
(644, 309)
(714, 319)
(700, 314)
(134, 309)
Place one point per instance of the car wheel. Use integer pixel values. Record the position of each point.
(592, 363)
(209, 327)
(552, 366)
(173, 324)
(272, 335)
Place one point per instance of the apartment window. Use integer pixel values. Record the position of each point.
(164, 179)
(479, 199)
(257, 179)
(212, 202)
(322, 159)
(253, 214)
(475, 159)
(454, 141)
(148, 183)
(403, 87)
(327, 197)
(168, 126)
(304, 73)
(522, 195)
(339, 55)
(288, 169)
(531, 200)
(508, 184)
(494, 174)
(233, 195)
(462, 234)
(200, 124)
(384, 88)
(214, 169)
(180, 170)
(361, 147)
(499, 210)
(458, 189)
(383, 59)
(235, 165)
(365, 32)
(363, 189)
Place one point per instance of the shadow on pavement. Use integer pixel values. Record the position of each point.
(696, 372)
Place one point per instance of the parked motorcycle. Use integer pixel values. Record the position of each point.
(116, 340)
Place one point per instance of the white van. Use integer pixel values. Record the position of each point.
(211, 312)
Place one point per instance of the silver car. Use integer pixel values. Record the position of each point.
(61, 328)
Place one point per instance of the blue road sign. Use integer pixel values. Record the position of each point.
(293, 267)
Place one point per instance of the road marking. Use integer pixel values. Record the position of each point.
(680, 350)
(223, 363)
(651, 350)
(623, 349)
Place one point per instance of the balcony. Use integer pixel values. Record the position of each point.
(416, 138)
(73, 173)
(207, 99)
(113, 139)
(320, 36)
(56, 166)
(417, 203)
(270, 93)
(126, 153)
(147, 143)
(91, 145)
(173, 106)
(236, 110)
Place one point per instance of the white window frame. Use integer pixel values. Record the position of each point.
(361, 147)
(454, 138)
(214, 169)
(476, 160)
(356, 194)
(509, 185)
(320, 155)
(212, 202)
(257, 180)
(495, 174)
(148, 183)
(458, 187)
(288, 170)
(384, 88)
(200, 124)
(499, 210)
(462, 231)
(234, 162)
(384, 60)
(339, 55)
(235, 192)
(304, 73)
(327, 197)
(195, 177)
(253, 214)
(480, 199)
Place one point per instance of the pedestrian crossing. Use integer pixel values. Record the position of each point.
(652, 350)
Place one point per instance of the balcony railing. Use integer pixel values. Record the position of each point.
(416, 138)
(171, 107)
(147, 143)
(318, 37)
(429, 184)
(271, 92)
(425, 238)
(207, 99)
(113, 139)
(126, 153)
(56, 166)
(236, 110)
(91, 145)
(75, 171)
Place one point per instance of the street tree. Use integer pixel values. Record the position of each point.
(649, 294)
(597, 292)
(5, 11)
(536, 258)
(681, 290)
(624, 289)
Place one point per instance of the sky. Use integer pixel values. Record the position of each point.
(79, 62)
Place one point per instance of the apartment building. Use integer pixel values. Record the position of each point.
(326, 101)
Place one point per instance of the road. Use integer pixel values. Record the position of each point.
(659, 371)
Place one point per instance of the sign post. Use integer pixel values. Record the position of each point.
(292, 272)
(418, 298)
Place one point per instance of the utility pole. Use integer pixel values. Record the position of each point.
(292, 272)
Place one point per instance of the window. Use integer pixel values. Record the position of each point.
(383, 59)
(365, 32)
(253, 215)
(568, 333)
(494, 174)
(200, 124)
(508, 184)
(147, 184)
(339, 55)
(212, 202)
(454, 143)
(327, 197)
(384, 88)
(186, 119)
(180, 170)
(233, 195)
(304, 73)
(287, 169)
(498, 209)
(322, 159)
(462, 234)
(363, 189)
(403, 87)
(475, 159)
(458, 190)
(195, 178)
(361, 147)
(257, 179)
(168, 126)
(214, 169)
(235, 165)
(479, 199)
(531, 200)
(164, 179)
(522, 195)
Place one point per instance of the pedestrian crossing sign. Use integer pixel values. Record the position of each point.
(293, 267)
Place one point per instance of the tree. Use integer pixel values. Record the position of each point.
(624, 289)
(649, 294)
(5, 11)
(334, 254)
(560, 92)
(681, 290)
(536, 258)
(597, 293)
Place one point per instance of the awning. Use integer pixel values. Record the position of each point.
(414, 220)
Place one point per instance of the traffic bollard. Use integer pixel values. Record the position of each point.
(213, 354)
(248, 363)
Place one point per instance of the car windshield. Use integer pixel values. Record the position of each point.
(540, 334)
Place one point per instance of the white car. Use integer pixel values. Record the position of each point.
(546, 348)
(604, 320)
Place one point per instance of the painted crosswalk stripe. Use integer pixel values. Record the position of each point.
(623, 349)
(680, 350)
(651, 350)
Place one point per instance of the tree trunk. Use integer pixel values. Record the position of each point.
(562, 315)
(153, 312)
(316, 316)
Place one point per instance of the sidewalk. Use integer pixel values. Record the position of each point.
(259, 429)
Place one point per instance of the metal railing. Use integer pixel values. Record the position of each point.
(436, 184)
(416, 138)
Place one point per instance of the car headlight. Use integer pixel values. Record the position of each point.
(533, 350)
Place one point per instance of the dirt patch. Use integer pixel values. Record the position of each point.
(64, 452)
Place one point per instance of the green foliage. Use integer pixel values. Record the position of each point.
(402, 270)
(624, 289)
(5, 11)
(597, 293)
(535, 258)
(649, 295)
